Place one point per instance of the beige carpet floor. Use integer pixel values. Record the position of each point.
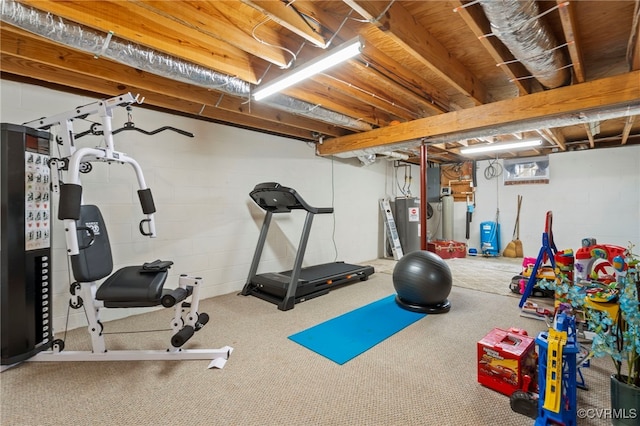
(424, 375)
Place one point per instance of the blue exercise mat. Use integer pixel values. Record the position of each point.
(345, 337)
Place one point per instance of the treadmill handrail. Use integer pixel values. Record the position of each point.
(271, 196)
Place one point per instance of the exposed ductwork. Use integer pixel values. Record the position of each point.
(518, 25)
(134, 55)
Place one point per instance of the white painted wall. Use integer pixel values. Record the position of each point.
(206, 221)
(591, 194)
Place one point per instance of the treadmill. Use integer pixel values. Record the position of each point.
(287, 288)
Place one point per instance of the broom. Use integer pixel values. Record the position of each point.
(519, 251)
(514, 248)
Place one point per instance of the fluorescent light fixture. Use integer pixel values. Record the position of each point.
(333, 57)
(502, 146)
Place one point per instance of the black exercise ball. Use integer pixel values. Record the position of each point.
(423, 282)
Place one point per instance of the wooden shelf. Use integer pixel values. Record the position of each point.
(461, 189)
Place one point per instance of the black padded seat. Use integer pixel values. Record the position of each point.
(130, 287)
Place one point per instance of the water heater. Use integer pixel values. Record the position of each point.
(407, 217)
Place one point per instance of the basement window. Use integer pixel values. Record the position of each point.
(530, 170)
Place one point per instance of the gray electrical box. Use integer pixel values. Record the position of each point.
(433, 184)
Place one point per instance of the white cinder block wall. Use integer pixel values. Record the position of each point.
(206, 221)
(591, 193)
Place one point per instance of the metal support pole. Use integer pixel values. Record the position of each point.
(423, 197)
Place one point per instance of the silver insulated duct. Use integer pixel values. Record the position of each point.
(99, 44)
(518, 25)
(137, 56)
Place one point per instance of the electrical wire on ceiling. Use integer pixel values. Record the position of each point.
(306, 18)
(294, 55)
(383, 13)
(493, 170)
(373, 95)
(633, 33)
(309, 20)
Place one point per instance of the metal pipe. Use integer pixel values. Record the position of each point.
(423, 197)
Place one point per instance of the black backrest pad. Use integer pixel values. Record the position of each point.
(94, 262)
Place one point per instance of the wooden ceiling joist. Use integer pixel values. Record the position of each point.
(627, 129)
(568, 18)
(400, 26)
(199, 15)
(286, 16)
(160, 33)
(395, 72)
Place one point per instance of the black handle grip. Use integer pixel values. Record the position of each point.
(141, 228)
(91, 235)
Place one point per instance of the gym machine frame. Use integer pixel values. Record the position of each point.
(65, 180)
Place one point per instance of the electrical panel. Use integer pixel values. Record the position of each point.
(433, 184)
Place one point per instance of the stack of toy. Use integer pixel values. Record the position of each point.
(595, 262)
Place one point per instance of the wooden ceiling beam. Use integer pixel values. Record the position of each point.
(569, 27)
(131, 22)
(589, 133)
(404, 77)
(399, 25)
(325, 96)
(286, 15)
(478, 23)
(370, 81)
(598, 94)
(356, 92)
(399, 78)
(199, 16)
(555, 136)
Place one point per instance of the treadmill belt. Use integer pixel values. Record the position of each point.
(318, 272)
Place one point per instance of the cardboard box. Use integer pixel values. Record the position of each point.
(505, 357)
(448, 249)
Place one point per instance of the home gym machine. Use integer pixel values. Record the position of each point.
(287, 288)
(90, 256)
